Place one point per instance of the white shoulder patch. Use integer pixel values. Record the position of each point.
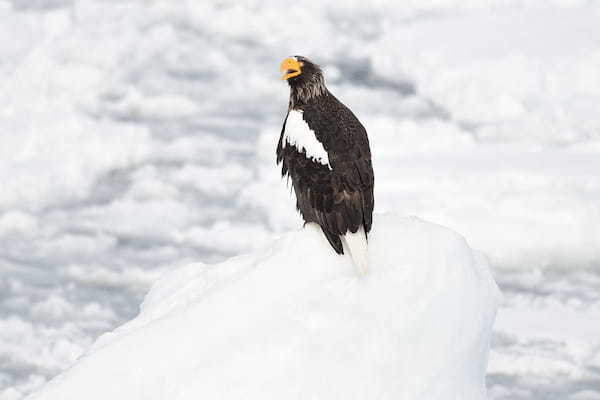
(298, 133)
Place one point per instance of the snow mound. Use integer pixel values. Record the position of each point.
(296, 321)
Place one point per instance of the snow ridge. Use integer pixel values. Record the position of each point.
(295, 321)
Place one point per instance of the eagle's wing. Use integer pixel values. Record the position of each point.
(350, 159)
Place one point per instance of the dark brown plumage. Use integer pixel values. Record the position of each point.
(339, 195)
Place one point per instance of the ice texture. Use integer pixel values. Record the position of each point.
(295, 320)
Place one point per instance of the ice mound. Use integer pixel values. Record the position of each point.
(296, 321)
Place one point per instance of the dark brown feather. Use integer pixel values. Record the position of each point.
(338, 197)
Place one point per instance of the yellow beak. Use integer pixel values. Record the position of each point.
(289, 68)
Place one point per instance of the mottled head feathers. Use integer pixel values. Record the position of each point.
(305, 79)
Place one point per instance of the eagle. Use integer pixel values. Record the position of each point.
(324, 149)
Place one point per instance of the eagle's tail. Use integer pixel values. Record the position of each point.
(357, 245)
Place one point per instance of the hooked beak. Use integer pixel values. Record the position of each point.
(289, 67)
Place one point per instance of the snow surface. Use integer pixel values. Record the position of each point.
(295, 321)
(136, 135)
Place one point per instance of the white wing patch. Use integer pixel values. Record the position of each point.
(298, 133)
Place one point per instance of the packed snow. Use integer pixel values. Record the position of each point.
(294, 320)
(137, 135)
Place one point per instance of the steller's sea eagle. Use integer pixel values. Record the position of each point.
(324, 149)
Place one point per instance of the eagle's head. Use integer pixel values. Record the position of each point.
(304, 77)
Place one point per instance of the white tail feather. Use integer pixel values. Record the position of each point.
(357, 245)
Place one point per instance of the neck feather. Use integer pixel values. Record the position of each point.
(305, 92)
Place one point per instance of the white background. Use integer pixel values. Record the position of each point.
(139, 135)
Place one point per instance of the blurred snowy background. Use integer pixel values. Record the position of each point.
(138, 135)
